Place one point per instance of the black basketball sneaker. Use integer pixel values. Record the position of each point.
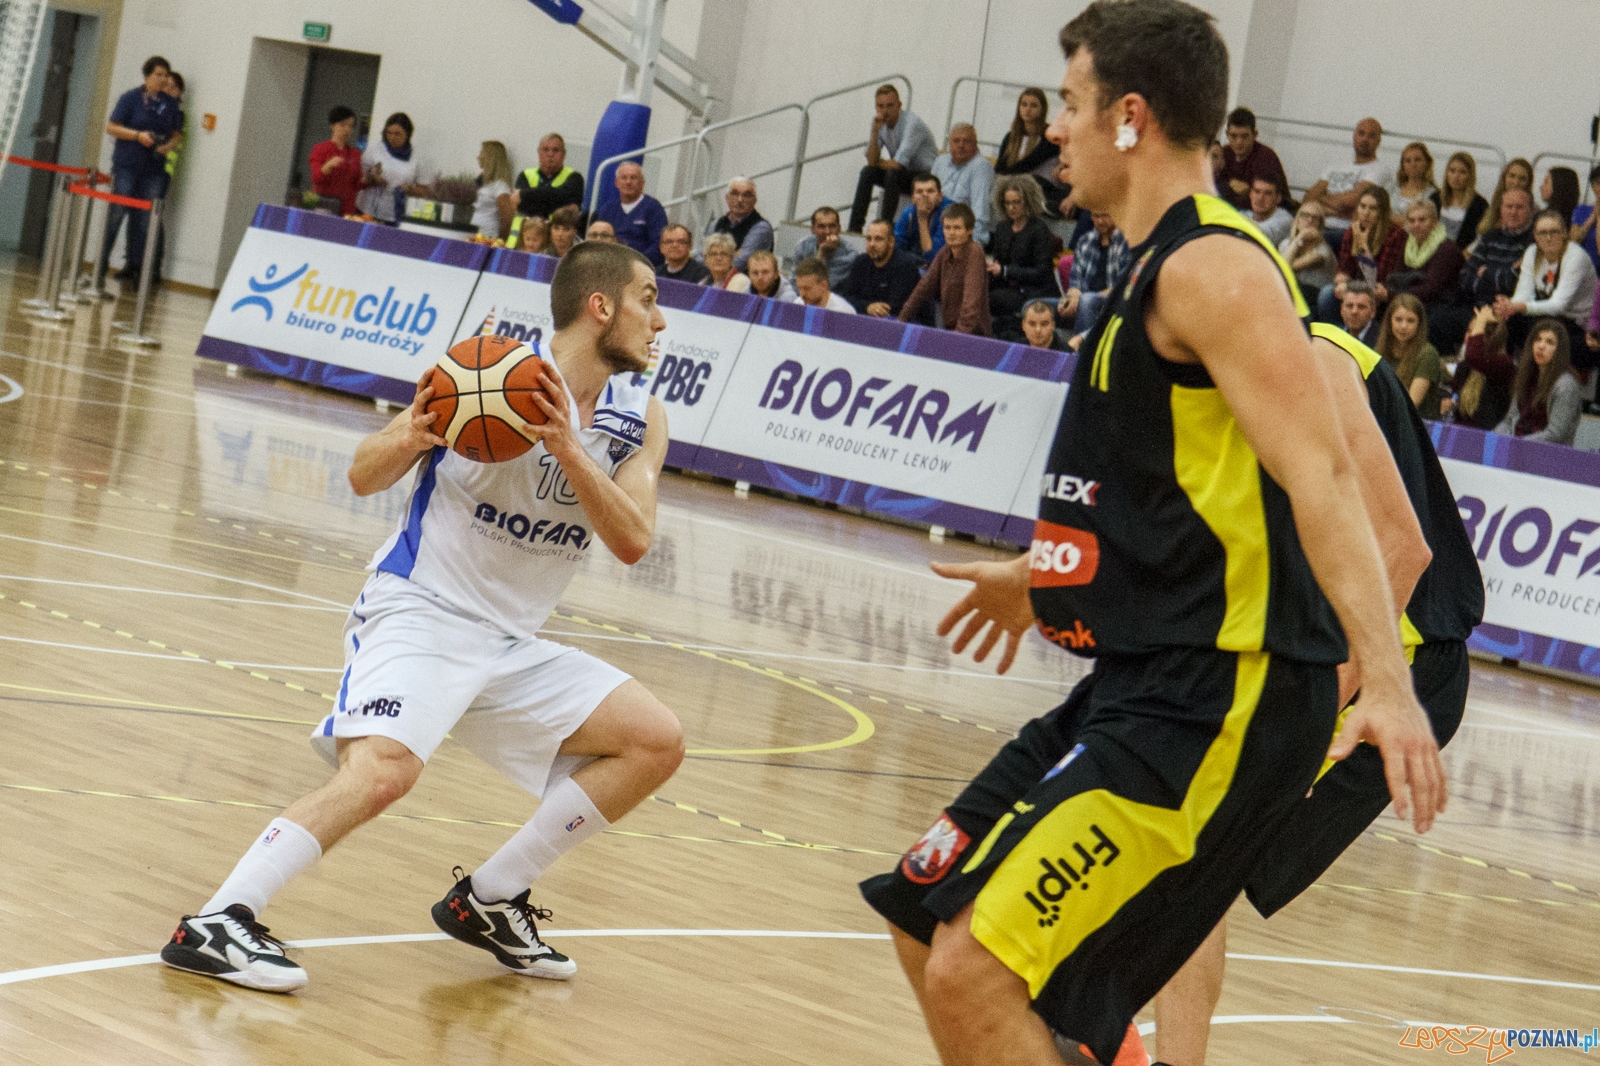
(505, 929)
(232, 945)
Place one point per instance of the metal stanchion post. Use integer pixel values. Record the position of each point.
(136, 334)
(52, 232)
(75, 292)
(67, 268)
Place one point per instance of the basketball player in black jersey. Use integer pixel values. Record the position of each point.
(1201, 534)
(1437, 593)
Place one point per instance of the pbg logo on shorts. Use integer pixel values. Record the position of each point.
(932, 856)
(1062, 556)
(380, 707)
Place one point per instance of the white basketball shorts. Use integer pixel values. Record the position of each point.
(417, 668)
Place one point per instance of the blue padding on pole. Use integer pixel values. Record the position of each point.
(623, 128)
(563, 11)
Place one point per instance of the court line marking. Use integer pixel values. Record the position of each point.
(179, 540)
(64, 969)
(817, 549)
(180, 569)
(170, 592)
(1482, 863)
(176, 658)
(13, 389)
(980, 675)
(769, 833)
(189, 655)
(1438, 894)
(864, 725)
(125, 702)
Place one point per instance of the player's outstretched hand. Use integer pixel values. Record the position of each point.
(998, 601)
(1393, 723)
(419, 430)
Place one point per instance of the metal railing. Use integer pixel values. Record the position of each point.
(803, 141)
(977, 83)
(1499, 154)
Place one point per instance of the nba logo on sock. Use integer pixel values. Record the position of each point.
(575, 823)
(272, 834)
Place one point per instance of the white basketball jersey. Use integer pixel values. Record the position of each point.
(501, 541)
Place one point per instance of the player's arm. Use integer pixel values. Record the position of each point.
(384, 457)
(1220, 302)
(622, 507)
(998, 600)
(1404, 549)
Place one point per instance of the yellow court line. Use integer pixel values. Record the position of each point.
(205, 711)
(1469, 896)
(181, 540)
(1482, 864)
(864, 725)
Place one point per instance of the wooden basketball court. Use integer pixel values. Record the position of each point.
(177, 550)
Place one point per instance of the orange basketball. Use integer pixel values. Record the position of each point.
(483, 393)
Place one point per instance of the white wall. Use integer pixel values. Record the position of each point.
(469, 71)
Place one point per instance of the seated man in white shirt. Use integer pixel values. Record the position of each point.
(1342, 184)
(811, 285)
(967, 177)
(1267, 212)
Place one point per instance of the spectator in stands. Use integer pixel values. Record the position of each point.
(718, 256)
(601, 230)
(638, 219)
(1039, 327)
(1021, 259)
(966, 177)
(1430, 267)
(767, 280)
(564, 222)
(1461, 205)
(1026, 150)
(1481, 387)
(1556, 282)
(811, 284)
(1403, 343)
(899, 146)
(336, 162)
(1491, 269)
(1214, 154)
(1413, 181)
(1341, 186)
(144, 119)
(1583, 220)
(550, 185)
(826, 244)
(391, 171)
(1099, 263)
(1372, 248)
(919, 229)
(957, 278)
(750, 232)
(882, 280)
(1518, 174)
(1244, 159)
(494, 182)
(534, 235)
(1266, 212)
(677, 260)
(1559, 191)
(1545, 396)
(1313, 262)
(1358, 309)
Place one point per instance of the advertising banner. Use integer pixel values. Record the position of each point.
(363, 308)
(689, 363)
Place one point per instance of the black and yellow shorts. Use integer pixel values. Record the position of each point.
(1100, 847)
(1350, 796)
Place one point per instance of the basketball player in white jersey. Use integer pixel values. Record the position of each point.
(442, 640)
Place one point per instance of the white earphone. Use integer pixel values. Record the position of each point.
(1127, 137)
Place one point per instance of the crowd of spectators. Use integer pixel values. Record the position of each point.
(1484, 305)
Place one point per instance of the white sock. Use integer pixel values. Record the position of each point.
(565, 819)
(280, 854)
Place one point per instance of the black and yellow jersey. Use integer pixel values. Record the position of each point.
(1448, 600)
(1157, 525)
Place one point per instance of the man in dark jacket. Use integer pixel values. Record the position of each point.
(880, 281)
(144, 120)
(550, 185)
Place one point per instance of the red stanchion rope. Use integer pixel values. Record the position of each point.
(39, 164)
(109, 197)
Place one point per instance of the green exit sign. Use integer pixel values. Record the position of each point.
(318, 31)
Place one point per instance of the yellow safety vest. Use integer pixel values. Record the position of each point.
(514, 238)
(534, 177)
